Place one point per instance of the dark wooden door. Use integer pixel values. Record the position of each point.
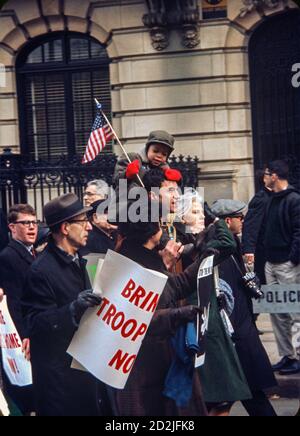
(273, 50)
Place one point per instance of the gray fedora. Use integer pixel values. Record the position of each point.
(63, 208)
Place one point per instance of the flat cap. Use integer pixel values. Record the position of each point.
(161, 137)
(228, 208)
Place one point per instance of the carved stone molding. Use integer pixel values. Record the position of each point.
(165, 15)
(160, 37)
(190, 35)
(260, 6)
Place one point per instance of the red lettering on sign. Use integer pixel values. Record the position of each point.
(140, 332)
(129, 328)
(104, 303)
(129, 364)
(118, 360)
(13, 365)
(147, 299)
(140, 297)
(111, 312)
(11, 341)
(128, 289)
(118, 321)
(137, 296)
(122, 362)
(153, 305)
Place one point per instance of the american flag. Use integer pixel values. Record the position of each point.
(101, 134)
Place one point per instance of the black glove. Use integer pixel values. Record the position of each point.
(186, 314)
(222, 302)
(210, 217)
(85, 300)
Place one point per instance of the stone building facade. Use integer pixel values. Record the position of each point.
(190, 78)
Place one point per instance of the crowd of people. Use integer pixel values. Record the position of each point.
(43, 274)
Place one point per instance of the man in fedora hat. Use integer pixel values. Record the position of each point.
(57, 295)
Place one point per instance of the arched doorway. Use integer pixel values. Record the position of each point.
(273, 50)
(58, 77)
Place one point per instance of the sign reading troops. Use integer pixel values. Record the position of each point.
(110, 336)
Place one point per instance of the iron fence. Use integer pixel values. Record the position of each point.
(37, 182)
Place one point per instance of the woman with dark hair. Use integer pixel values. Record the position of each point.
(143, 394)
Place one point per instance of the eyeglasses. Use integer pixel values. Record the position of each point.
(28, 224)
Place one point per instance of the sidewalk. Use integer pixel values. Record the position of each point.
(286, 397)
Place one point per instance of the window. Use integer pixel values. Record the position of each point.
(58, 79)
(212, 9)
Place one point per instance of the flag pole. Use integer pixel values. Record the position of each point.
(119, 142)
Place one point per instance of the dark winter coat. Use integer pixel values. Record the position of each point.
(54, 281)
(143, 394)
(122, 164)
(252, 355)
(15, 262)
(254, 230)
(98, 242)
(289, 218)
(3, 231)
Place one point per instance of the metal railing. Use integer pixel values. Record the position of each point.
(37, 182)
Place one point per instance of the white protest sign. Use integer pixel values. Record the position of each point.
(16, 367)
(278, 299)
(4, 410)
(110, 336)
(92, 264)
(97, 290)
(205, 288)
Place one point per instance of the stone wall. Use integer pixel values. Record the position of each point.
(200, 95)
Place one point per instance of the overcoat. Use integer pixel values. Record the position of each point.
(54, 281)
(15, 262)
(143, 394)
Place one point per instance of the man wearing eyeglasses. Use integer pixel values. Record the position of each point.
(58, 292)
(95, 190)
(15, 261)
(282, 248)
